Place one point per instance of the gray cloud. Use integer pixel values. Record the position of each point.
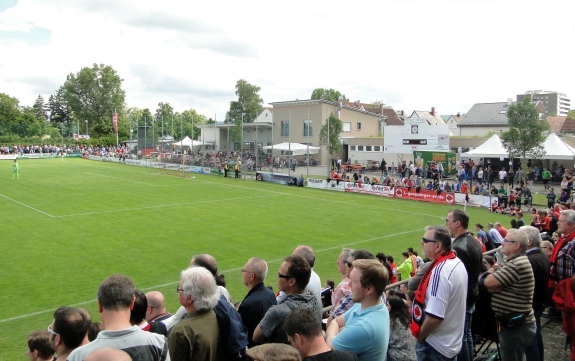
(154, 81)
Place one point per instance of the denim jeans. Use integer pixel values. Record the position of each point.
(534, 351)
(467, 348)
(427, 353)
(514, 342)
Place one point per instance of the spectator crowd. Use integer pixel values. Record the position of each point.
(442, 305)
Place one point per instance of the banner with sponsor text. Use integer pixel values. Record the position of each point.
(424, 195)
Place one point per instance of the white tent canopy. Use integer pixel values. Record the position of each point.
(295, 148)
(555, 148)
(187, 142)
(492, 148)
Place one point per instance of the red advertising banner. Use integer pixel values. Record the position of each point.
(115, 122)
(425, 195)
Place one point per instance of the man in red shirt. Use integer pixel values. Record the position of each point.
(502, 230)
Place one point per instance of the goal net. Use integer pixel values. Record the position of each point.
(166, 163)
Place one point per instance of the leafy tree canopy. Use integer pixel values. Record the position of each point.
(329, 134)
(249, 103)
(526, 133)
(9, 108)
(571, 114)
(94, 94)
(328, 94)
(58, 108)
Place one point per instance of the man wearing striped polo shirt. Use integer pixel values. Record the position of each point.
(512, 286)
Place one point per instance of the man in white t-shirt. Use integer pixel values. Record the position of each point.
(440, 300)
(502, 176)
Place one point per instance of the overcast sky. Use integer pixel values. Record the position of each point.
(411, 54)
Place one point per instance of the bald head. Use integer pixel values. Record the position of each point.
(156, 305)
(108, 354)
(307, 253)
(156, 299)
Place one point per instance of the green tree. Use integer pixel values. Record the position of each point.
(163, 117)
(40, 109)
(94, 94)
(9, 108)
(328, 94)
(329, 134)
(526, 133)
(58, 108)
(571, 114)
(191, 116)
(249, 103)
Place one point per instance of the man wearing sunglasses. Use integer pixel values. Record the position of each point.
(68, 330)
(293, 277)
(438, 311)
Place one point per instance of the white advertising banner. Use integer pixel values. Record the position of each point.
(377, 190)
(324, 184)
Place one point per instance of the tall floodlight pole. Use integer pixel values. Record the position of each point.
(182, 144)
(289, 145)
(308, 120)
(86, 128)
(257, 150)
(272, 154)
(242, 141)
(328, 152)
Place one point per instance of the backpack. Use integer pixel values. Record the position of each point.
(233, 335)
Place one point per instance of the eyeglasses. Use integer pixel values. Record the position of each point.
(544, 247)
(52, 332)
(245, 271)
(178, 289)
(425, 240)
(284, 276)
(349, 264)
(508, 241)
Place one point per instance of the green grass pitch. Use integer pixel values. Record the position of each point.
(67, 225)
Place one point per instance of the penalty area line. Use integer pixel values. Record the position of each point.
(27, 206)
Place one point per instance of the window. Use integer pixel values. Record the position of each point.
(360, 148)
(269, 151)
(307, 128)
(352, 147)
(347, 126)
(368, 148)
(377, 148)
(358, 126)
(285, 128)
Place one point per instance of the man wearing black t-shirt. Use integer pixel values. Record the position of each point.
(469, 252)
(303, 330)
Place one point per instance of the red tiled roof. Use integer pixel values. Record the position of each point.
(556, 123)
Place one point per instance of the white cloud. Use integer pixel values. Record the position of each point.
(411, 54)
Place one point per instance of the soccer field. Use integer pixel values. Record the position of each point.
(67, 225)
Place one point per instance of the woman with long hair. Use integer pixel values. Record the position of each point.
(401, 341)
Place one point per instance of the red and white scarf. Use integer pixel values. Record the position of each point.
(418, 308)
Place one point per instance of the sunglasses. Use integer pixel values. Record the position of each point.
(425, 240)
(284, 276)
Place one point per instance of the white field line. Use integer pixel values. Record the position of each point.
(226, 271)
(164, 205)
(27, 206)
(123, 179)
